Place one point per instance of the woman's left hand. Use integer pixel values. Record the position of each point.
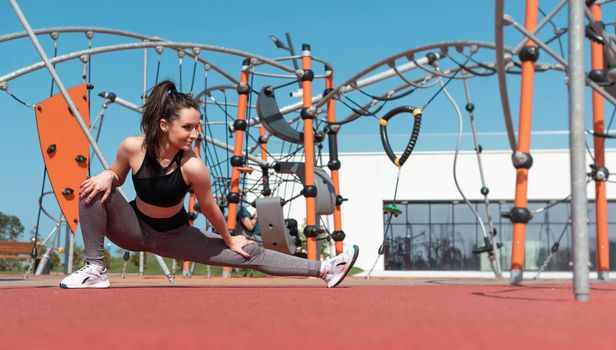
(237, 243)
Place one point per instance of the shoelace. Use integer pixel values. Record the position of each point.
(84, 269)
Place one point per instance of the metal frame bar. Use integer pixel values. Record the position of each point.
(141, 45)
(577, 78)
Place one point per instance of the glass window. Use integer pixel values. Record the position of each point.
(540, 216)
(440, 213)
(611, 209)
(442, 236)
(592, 212)
(463, 214)
(418, 213)
(559, 213)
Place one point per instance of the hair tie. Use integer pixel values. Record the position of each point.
(171, 90)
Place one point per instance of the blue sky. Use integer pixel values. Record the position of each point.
(351, 35)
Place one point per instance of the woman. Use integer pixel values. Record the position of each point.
(163, 168)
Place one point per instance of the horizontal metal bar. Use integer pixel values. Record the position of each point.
(141, 45)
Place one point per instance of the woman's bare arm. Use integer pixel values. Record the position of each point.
(199, 178)
(114, 176)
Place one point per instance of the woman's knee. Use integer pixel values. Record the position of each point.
(96, 201)
(253, 249)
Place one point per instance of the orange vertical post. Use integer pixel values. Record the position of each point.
(237, 161)
(310, 190)
(528, 55)
(334, 162)
(598, 117)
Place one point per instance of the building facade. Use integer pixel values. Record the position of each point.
(437, 231)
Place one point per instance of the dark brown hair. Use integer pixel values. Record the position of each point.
(162, 102)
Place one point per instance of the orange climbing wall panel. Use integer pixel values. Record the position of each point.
(65, 148)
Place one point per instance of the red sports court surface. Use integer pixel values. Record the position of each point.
(273, 313)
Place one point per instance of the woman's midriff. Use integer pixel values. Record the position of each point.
(157, 212)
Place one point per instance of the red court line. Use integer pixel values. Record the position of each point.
(307, 317)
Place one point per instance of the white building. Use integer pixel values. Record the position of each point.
(439, 229)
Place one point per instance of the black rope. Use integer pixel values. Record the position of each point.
(19, 100)
(362, 111)
(284, 85)
(475, 73)
(209, 128)
(392, 98)
(605, 135)
(390, 214)
(589, 152)
(38, 217)
(192, 82)
(55, 53)
(444, 85)
(558, 35)
(480, 64)
(224, 109)
(157, 70)
(553, 250)
(561, 32)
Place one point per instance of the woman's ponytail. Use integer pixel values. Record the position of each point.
(163, 102)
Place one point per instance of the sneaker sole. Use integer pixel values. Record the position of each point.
(84, 286)
(355, 254)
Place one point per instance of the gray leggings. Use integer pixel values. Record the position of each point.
(117, 220)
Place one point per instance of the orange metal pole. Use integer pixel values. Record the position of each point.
(234, 195)
(309, 186)
(528, 55)
(263, 146)
(237, 161)
(334, 164)
(603, 261)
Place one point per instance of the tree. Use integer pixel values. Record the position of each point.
(10, 227)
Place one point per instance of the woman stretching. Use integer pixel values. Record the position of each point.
(163, 168)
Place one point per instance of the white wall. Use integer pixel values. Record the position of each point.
(369, 179)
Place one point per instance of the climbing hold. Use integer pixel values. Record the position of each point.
(68, 191)
(81, 159)
(51, 149)
(392, 210)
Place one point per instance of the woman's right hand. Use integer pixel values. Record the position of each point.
(102, 182)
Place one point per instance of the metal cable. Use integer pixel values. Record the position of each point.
(381, 250)
(486, 200)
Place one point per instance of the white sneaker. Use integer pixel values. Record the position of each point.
(89, 276)
(339, 266)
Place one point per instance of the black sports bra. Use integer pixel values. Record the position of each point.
(154, 186)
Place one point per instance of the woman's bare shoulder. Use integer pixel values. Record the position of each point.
(193, 164)
(132, 144)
